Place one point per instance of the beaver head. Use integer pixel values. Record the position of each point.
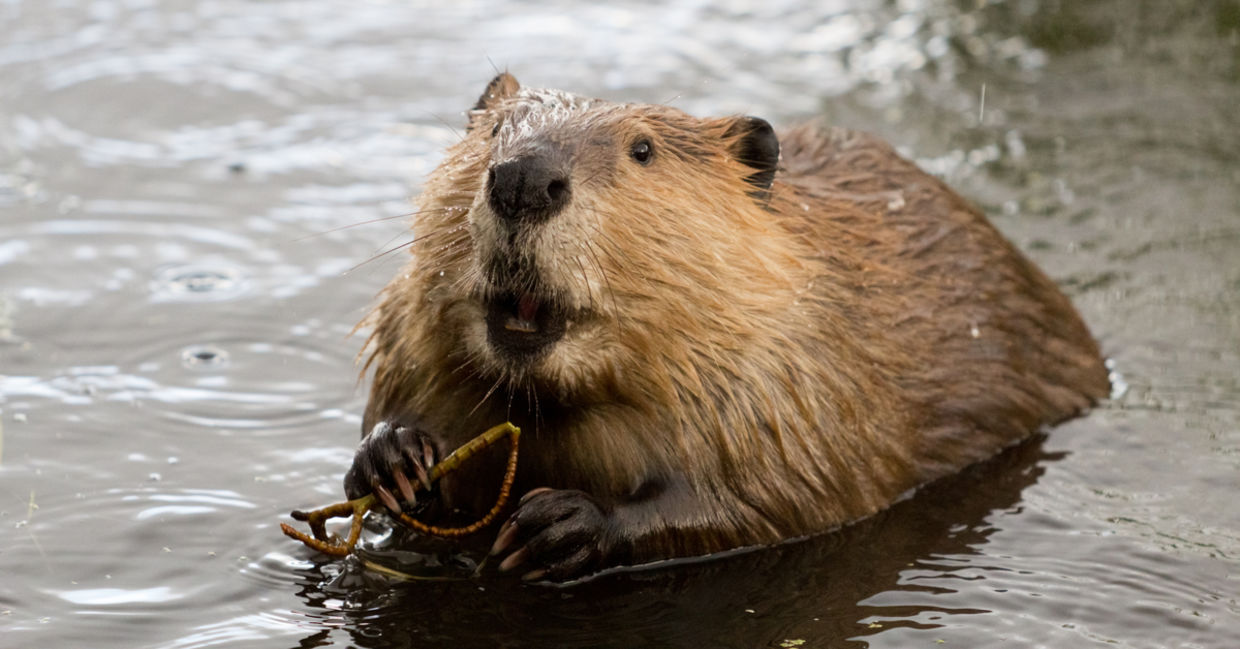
(566, 238)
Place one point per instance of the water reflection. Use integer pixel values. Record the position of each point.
(843, 589)
(118, 596)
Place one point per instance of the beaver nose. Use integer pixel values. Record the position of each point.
(528, 189)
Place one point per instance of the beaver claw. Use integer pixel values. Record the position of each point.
(384, 462)
(559, 534)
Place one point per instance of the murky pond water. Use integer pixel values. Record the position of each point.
(176, 296)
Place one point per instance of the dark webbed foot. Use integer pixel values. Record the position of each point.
(387, 462)
(558, 534)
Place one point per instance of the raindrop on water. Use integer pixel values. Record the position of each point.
(198, 356)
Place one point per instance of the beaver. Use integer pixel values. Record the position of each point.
(713, 336)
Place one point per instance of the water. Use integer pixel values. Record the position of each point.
(176, 297)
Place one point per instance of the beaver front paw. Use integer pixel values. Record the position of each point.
(559, 534)
(385, 462)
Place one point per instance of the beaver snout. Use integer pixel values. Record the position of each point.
(529, 189)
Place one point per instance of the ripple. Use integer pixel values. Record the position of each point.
(199, 282)
(225, 383)
(1065, 593)
(131, 229)
(238, 383)
(205, 535)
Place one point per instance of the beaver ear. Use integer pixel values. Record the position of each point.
(503, 86)
(753, 143)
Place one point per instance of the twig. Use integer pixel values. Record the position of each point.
(358, 507)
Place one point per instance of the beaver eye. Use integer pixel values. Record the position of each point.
(495, 129)
(642, 152)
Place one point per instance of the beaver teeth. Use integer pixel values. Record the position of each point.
(523, 325)
(523, 320)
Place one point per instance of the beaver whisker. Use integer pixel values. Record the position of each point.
(511, 390)
(377, 256)
(599, 233)
(529, 390)
(460, 137)
(585, 276)
(380, 255)
(486, 396)
(466, 364)
(475, 361)
(463, 240)
(367, 222)
(611, 292)
(518, 274)
(445, 258)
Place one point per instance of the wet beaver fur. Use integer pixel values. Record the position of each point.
(712, 336)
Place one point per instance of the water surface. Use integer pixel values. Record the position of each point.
(176, 297)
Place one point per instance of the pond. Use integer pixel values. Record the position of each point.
(196, 197)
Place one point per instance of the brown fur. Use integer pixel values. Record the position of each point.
(739, 369)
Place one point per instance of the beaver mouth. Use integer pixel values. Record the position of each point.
(523, 325)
